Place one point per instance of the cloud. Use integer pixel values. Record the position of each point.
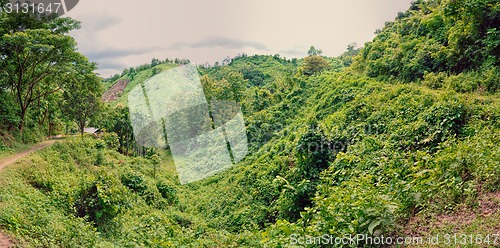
(299, 51)
(96, 22)
(223, 42)
(296, 51)
(111, 61)
(112, 54)
(111, 65)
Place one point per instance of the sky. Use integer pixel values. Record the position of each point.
(123, 34)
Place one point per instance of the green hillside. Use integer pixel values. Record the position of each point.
(403, 142)
(136, 76)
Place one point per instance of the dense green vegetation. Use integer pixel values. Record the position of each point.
(39, 61)
(453, 44)
(407, 126)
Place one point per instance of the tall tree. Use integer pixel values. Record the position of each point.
(82, 97)
(36, 62)
(314, 52)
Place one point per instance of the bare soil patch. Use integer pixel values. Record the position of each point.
(5, 242)
(489, 207)
(115, 91)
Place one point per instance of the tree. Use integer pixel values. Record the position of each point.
(231, 87)
(36, 62)
(351, 47)
(237, 84)
(314, 52)
(117, 120)
(314, 64)
(155, 62)
(82, 97)
(209, 87)
(8, 115)
(352, 51)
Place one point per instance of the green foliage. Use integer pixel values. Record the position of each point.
(102, 200)
(42, 74)
(111, 140)
(352, 51)
(377, 154)
(314, 64)
(231, 87)
(7, 111)
(453, 37)
(337, 152)
(118, 129)
(314, 151)
(356, 206)
(135, 182)
(434, 80)
(38, 57)
(90, 204)
(82, 99)
(168, 192)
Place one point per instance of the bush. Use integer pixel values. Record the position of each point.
(168, 192)
(463, 82)
(434, 80)
(101, 201)
(135, 182)
(111, 140)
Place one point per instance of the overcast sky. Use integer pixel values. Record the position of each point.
(121, 34)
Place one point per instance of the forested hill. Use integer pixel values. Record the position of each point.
(436, 40)
(398, 138)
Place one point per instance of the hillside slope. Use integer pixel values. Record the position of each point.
(363, 150)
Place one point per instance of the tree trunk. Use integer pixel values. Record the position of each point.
(82, 128)
(49, 125)
(21, 123)
(128, 142)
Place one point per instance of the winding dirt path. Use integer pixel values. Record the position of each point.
(5, 241)
(13, 158)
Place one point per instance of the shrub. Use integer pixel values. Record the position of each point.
(463, 82)
(434, 80)
(168, 192)
(135, 182)
(354, 207)
(101, 201)
(111, 140)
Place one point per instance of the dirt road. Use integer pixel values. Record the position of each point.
(5, 241)
(13, 158)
